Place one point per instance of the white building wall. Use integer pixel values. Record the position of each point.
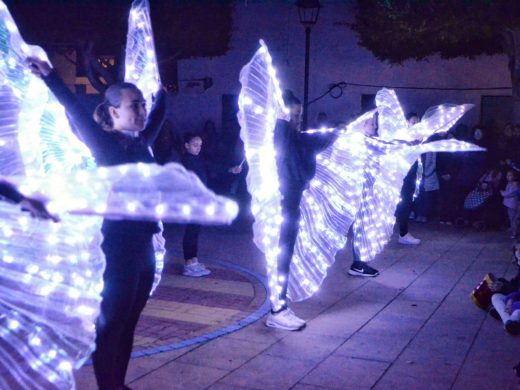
(335, 57)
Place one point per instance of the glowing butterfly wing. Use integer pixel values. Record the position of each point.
(50, 273)
(438, 119)
(328, 208)
(260, 102)
(392, 122)
(140, 58)
(386, 166)
(142, 192)
(35, 134)
(50, 278)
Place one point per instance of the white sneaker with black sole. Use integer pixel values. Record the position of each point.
(285, 319)
(364, 270)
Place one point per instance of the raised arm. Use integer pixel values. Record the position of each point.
(88, 130)
(155, 118)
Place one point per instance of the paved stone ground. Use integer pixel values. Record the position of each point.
(183, 308)
(413, 327)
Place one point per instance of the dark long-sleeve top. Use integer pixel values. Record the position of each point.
(9, 192)
(112, 147)
(296, 155)
(197, 165)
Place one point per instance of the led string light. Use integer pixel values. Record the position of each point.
(358, 178)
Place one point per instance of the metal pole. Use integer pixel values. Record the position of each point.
(306, 77)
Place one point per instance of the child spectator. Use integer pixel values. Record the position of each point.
(508, 308)
(426, 203)
(192, 161)
(510, 195)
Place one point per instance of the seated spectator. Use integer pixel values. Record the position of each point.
(480, 204)
(447, 169)
(508, 309)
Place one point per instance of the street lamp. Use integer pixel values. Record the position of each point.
(308, 10)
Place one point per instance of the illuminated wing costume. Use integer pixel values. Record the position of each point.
(51, 274)
(357, 182)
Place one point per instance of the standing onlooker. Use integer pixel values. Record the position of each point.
(511, 200)
(429, 188)
(167, 146)
(447, 167)
(503, 149)
(322, 120)
(193, 162)
(211, 139)
(404, 207)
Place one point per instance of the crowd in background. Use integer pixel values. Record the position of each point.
(465, 189)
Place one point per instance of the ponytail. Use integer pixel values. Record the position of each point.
(102, 116)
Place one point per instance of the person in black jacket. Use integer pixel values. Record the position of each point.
(193, 161)
(119, 133)
(296, 165)
(34, 206)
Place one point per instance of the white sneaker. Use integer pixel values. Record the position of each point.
(296, 318)
(408, 239)
(195, 271)
(285, 320)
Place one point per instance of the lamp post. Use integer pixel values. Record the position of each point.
(308, 11)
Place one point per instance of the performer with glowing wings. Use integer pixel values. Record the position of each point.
(51, 274)
(356, 183)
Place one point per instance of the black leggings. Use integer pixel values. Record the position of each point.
(288, 233)
(128, 279)
(190, 241)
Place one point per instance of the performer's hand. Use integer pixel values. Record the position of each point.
(509, 306)
(37, 209)
(39, 67)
